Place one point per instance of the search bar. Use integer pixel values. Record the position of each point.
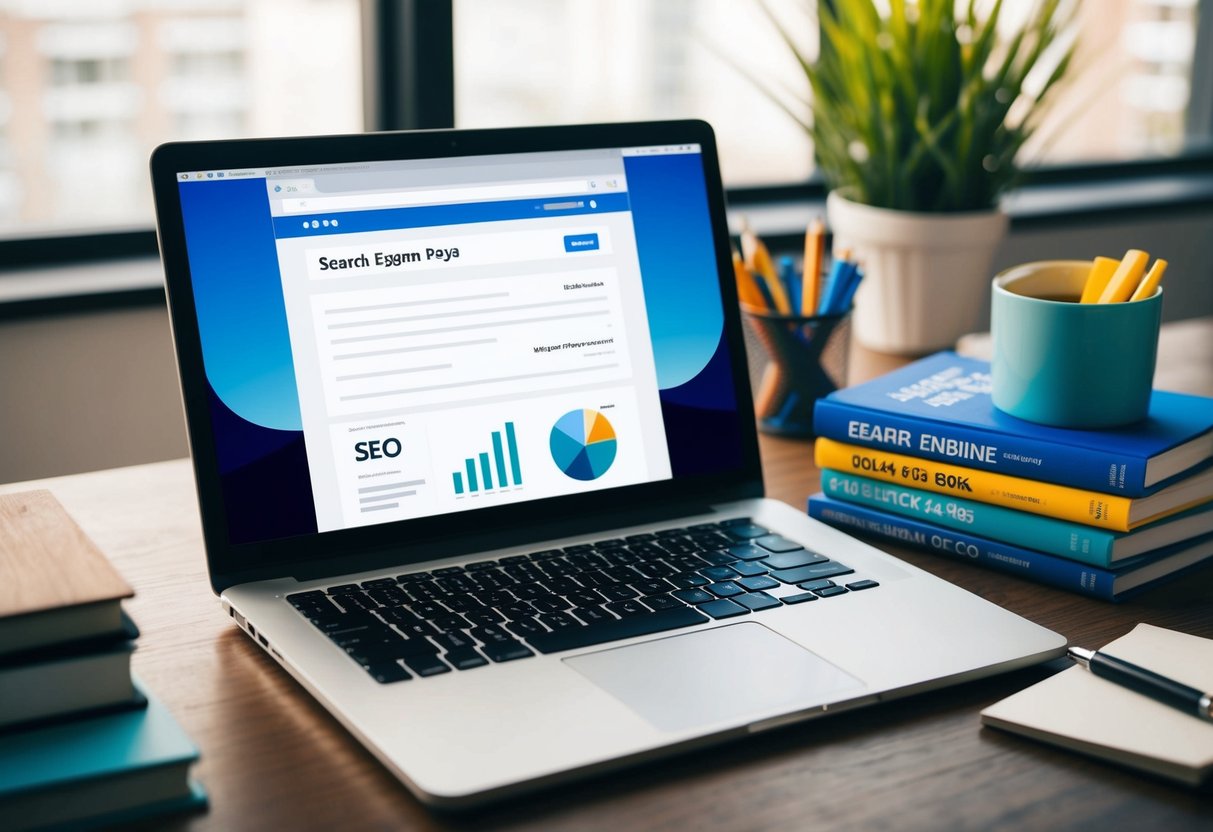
(355, 202)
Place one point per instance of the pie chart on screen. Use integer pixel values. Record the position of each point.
(583, 444)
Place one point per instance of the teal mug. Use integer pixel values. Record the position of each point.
(1069, 364)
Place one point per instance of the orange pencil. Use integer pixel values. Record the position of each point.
(810, 278)
(1126, 277)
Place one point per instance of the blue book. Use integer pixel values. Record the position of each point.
(940, 408)
(101, 771)
(1129, 578)
(1075, 541)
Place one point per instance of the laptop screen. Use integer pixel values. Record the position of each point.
(386, 341)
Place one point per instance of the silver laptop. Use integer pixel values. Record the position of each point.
(477, 464)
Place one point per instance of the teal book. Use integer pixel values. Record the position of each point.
(87, 773)
(1075, 541)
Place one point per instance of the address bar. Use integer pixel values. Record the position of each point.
(354, 202)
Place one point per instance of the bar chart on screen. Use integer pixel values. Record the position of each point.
(494, 469)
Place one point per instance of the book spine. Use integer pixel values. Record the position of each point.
(1036, 566)
(1017, 456)
(1047, 499)
(1044, 534)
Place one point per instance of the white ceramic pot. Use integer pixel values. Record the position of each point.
(926, 276)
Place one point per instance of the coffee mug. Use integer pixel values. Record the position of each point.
(1069, 364)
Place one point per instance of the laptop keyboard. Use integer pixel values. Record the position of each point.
(462, 617)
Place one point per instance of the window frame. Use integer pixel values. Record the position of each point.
(409, 83)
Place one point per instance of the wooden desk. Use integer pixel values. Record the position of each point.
(272, 759)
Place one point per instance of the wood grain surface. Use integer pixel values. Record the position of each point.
(273, 759)
(46, 559)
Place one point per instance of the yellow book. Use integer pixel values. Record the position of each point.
(1078, 505)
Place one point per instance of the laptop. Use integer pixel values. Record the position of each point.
(477, 464)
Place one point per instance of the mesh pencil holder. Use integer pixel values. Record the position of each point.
(808, 359)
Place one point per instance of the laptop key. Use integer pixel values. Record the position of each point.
(559, 621)
(448, 570)
(449, 623)
(827, 569)
(748, 568)
(693, 596)
(489, 633)
(585, 598)
(618, 592)
(524, 627)
(864, 584)
(748, 551)
(426, 665)
(831, 591)
(509, 650)
(453, 641)
(687, 580)
(755, 601)
(592, 614)
(387, 672)
(722, 609)
(464, 659)
(717, 557)
(428, 609)
(624, 609)
(736, 521)
(820, 583)
(724, 589)
(746, 531)
(343, 588)
(661, 602)
(777, 543)
(480, 564)
(758, 582)
(550, 603)
(311, 596)
(484, 616)
(637, 625)
(562, 586)
(718, 573)
(653, 586)
(791, 560)
(518, 609)
(798, 598)
(377, 583)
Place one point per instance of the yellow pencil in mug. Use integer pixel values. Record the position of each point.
(1102, 269)
(1150, 282)
(1126, 277)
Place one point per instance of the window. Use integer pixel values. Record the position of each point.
(89, 87)
(537, 61)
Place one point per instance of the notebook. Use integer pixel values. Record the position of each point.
(1080, 711)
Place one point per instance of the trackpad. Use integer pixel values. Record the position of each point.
(713, 676)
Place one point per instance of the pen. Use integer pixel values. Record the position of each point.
(1190, 700)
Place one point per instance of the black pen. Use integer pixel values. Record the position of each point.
(1190, 700)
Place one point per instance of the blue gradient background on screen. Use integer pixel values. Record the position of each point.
(248, 362)
(246, 347)
(677, 260)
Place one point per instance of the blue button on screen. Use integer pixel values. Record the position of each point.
(581, 242)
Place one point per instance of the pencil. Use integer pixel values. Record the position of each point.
(758, 260)
(810, 278)
(1097, 279)
(1126, 277)
(748, 293)
(1148, 284)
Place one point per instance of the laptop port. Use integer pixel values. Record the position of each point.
(264, 643)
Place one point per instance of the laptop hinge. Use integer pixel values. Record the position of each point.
(501, 539)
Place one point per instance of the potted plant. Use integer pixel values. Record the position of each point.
(918, 111)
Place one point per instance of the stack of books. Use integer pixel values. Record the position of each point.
(921, 456)
(80, 743)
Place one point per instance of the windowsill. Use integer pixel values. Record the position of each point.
(139, 281)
